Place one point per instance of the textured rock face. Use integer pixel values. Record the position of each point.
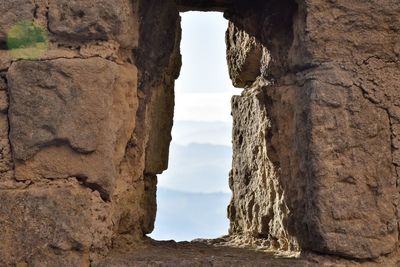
(13, 11)
(259, 204)
(93, 20)
(330, 133)
(244, 56)
(353, 131)
(85, 129)
(49, 100)
(6, 164)
(204, 5)
(61, 224)
(159, 86)
(79, 120)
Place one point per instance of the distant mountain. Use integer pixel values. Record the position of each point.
(186, 216)
(198, 168)
(215, 132)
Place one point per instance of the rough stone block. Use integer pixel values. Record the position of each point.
(353, 182)
(3, 85)
(314, 164)
(94, 20)
(244, 56)
(160, 113)
(5, 149)
(150, 203)
(259, 203)
(3, 101)
(71, 118)
(13, 11)
(207, 5)
(59, 223)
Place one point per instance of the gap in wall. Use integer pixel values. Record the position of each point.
(193, 194)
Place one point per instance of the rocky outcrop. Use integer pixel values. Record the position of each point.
(328, 138)
(204, 5)
(49, 99)
(57, 223)
(83, 21)
(352, 131)
(244, 56)
(77, 125)
(259, 207)
(13, 12)
(158, 57)
(85, 128)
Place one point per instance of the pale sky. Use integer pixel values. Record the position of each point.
(202, 108)
(193, 193)
(203, 90)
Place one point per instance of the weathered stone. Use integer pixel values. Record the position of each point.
(12, 12)
(199, 253)
(71, 118)
(258, 207)
(61, 223)
(331, 133)
(353, 173)
(160, 114)
(3, 85)
(159, 55)
(316, 135)
(158, 60)
(206, 5)
(149, 203)
(94, 20)
(244, 56)
(3, 101)
(352, 192)
(6, 164)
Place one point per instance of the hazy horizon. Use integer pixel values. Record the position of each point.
(193, 193)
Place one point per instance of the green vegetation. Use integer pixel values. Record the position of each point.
(27, 40)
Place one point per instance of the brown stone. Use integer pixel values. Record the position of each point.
(159, 54)
(12, 12)
(71, 118)
(315, 137)
(3, 85)
(244, 56)
(60, 222)
(6, 164)
(3, 101)
(206, 5)
(258, 207)
(330, 122)
(94, 20)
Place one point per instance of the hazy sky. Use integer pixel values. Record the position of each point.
(203, 90)
(200, 153)
(202, 109)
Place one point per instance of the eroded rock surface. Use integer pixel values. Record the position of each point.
(12, 12)
(259, 204)
(329, 131)
(51, 100)
(94, 20)
(244, 56)
(59, 224)
(204, 5)
(217, 253)
(85, 129)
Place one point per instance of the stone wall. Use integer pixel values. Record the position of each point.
(85, 127)
(82, 127)
(323, 172)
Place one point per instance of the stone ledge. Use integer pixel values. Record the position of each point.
(199, 253)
